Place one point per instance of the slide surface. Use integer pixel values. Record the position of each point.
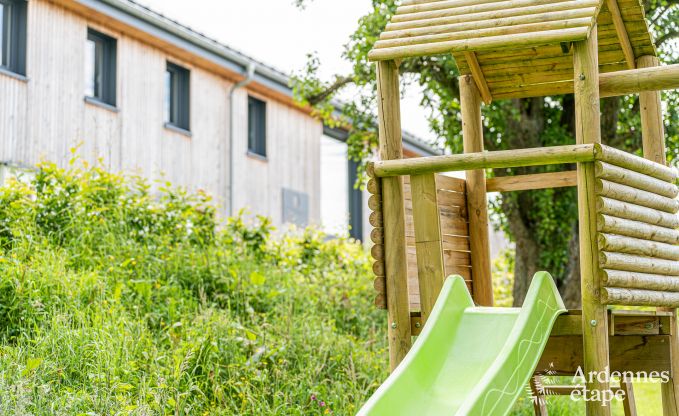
(470, 360)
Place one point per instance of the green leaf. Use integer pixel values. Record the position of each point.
(257, 278)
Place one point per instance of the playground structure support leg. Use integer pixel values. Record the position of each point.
(588, 130)
(477, 202)
(396, 267)
(653, 139)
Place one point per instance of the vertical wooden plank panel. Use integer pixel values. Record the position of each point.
(588, 130)
(653, 139)
(477, 203)
(389, 113)
(428, 245)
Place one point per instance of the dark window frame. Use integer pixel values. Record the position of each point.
(180, 97)
(105, 67)
(355, 203)
(257, 127)
(14, 27)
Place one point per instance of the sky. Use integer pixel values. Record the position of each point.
(281, 35)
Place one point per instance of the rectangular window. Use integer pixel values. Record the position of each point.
(13, 22)
(178, 96)
(100, 67)
(256, 126)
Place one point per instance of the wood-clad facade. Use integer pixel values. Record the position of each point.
(44, 114)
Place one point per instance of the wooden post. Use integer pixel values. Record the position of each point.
(393, 211)
(653, 139)
(477, 203)
(588, 130)
(430, 269)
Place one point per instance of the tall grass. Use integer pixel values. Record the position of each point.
(117, 300)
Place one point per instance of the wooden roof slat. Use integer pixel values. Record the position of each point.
(484, 24)
(492, 42)
(481, 33)
(437, 5)
(498, 14)
(462, 10)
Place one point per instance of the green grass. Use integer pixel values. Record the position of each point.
(116, 300)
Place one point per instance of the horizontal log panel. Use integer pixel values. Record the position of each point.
(630, 228)
(380, 301)
(636, 196)
(638, 297)
(446, 198)
(634, 179)
(380, 284)
(542, 90)
(639, 247)
(450, 257)
(463, 271)
(457, 227)
(449, 183)
(499, 6)
(647, 281)
(563, 354)
(632, 263)
(634, 212)
(485, 24)
(445, 211)
(483, 33)
(635, 163)
(449, 242)
(528, 182)
(479, 44)
(377, 235)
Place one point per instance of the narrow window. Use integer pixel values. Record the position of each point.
(13, 35)
(256, 126)
(100, 67)
(177, 96)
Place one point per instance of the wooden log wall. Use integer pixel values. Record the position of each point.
(452, 208)
(638, 235)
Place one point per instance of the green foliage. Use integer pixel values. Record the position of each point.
(123, 297)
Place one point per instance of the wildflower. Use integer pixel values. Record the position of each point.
(313, 397)
(322, 404)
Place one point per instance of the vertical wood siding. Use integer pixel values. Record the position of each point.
(46, 116)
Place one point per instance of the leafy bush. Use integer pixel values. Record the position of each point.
(122, 297)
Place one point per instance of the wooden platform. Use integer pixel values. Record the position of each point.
(639, 341)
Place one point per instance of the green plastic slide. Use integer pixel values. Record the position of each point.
(470, 360)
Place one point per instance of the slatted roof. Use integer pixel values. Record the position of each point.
(517, 48)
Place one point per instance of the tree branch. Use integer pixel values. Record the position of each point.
(340, 82)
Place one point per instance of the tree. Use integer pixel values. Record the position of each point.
(543, 224)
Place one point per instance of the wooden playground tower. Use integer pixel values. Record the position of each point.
(429, 226)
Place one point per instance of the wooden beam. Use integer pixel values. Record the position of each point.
(530, 182)
(647, 353)
(652, 129)
(429, 250)
(588, 131)
(477, 203)
(479, 79)
(634, 81)
(393, 211)
(553, 155)
(620, 29)
(628, 403)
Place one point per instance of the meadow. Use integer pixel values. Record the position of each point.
(120, 297)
